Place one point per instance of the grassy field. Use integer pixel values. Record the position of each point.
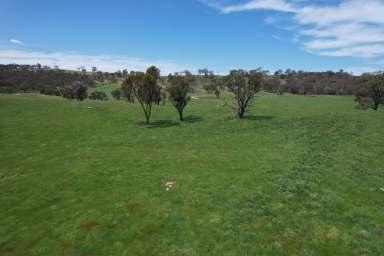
(299, 176)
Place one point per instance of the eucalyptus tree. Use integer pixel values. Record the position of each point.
(178, 87)
(145, 88)
(244, 85)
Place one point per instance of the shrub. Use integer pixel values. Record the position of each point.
(98, 95)
(117, 94)
(68, 92)
(52, 91)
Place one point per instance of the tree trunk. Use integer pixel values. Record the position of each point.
(375, 106)
(181, 115)
(147, 118)
(240, 112)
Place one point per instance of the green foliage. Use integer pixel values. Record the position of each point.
(80, 91)
(117, 94)
(52, 91)
(370, 93)
(98, 95)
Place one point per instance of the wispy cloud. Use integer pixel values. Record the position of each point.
(15, 41)
(276, 5)
(353, 28)
(73, 60)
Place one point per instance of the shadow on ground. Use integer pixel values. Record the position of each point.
(258, 118)
(207, 97)
(192, 119)
(160, 124)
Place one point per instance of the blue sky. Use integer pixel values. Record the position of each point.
(190, 34)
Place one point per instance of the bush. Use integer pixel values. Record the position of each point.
(52, 91)
(77, 91)
(98, 96)
(364, 102)
(117, 94)
(68, 92)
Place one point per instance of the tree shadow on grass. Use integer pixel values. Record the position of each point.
(160, 124)
(258, 118)
(192, 119)
(207, 97)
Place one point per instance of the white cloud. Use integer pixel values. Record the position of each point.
(360, 70)
(72, 60)
(276, 5)
(364, 11)
(352, 28)
(15, 41)
(364, 51)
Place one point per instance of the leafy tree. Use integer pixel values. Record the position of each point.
(371, 94)
(98, 95)
(244, 85)
(178, 87)
(145, 88)
(80, 91)
(94, 69)
(117, 94)
(68, 92)
(77, 90)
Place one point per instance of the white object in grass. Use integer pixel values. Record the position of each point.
(169, 185)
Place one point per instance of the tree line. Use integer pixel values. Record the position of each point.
(149, 88)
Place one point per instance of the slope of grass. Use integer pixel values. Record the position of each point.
(299, 176)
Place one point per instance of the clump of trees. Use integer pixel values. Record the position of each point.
(244, 85)
(370, 93)
(178, 87)
(214, 84)
(272, 85)
(318, 83)
(118, 94)
(145, 88)
(76, 91)
(98, 95)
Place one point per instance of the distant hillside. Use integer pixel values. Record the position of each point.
(27, 78)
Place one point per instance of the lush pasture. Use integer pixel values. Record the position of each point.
(299, 176)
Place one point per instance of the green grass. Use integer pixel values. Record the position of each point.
(299, 176)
